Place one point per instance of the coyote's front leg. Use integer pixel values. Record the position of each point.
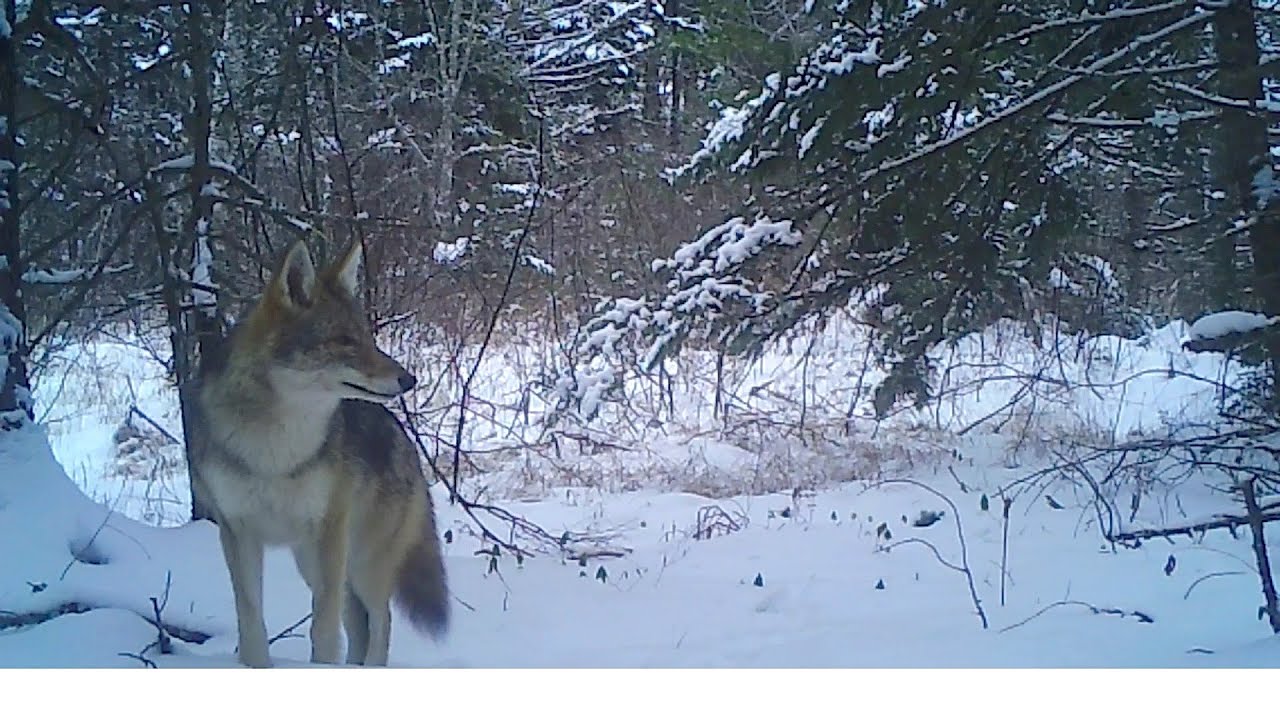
(323, 563)
(243, 552)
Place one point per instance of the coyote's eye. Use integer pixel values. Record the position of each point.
(347, 341)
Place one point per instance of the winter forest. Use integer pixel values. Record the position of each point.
(747, 333)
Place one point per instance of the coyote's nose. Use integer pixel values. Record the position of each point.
(407, 382)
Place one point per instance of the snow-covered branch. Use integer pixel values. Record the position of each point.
(1087, 18)
(707, 281)
(37, 276)
(1040, 96)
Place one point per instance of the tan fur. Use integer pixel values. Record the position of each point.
(290, 445)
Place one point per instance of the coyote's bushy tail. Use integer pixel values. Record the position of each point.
(422, 589)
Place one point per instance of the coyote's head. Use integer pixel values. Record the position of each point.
(319, 342)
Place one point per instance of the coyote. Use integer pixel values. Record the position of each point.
(291, 445)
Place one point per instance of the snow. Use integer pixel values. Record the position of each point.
(11, 332)
(702, 510)
(348, 19)
(86, 393)
(810, 135)
(727, 129)
(1059, 280)
(734, 241)
(188, 161)
(53, 277)
(425, 39)
(202, 271)
(673, 602)
(540, 265)
(182, 162)
(837, 58)
(450, 253)
(1265, 186)
(1227, 322)
(894, 67)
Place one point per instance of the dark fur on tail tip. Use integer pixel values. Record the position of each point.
(423, 591)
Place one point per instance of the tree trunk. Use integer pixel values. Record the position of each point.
(206, 325)
(15, 394)
(1243, 160)
(1257, 528)
(652, 93)
(675, 119)
(171, 299)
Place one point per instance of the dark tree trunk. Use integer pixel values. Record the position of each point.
(674, 120)
(15, 397)
(649, 103)
(1243, 164)
(1257, 528)
(205, 325)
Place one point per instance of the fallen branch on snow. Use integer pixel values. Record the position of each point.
(10, 620)
(1228, 522)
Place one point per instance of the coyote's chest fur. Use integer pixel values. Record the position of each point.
(271, 474)
(280, 509)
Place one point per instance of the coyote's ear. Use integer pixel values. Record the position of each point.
(346, 271)
(295, 282)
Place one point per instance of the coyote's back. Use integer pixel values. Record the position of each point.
(291, 444)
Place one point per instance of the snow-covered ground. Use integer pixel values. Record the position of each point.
(826, 560)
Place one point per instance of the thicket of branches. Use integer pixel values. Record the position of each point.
(631, 178)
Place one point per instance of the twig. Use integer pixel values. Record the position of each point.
(1012, 402)
(921, 541)
(133, 410)
(963, 567)
(1193, 585)
(75, 555)
(1004, 547)
(1141, 616)
(712, 519)
(289, 631)
(163, 642)
(519, 525)
(1107, 524)
(140, 658)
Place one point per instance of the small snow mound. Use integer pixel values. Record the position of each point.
(1229, 322)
